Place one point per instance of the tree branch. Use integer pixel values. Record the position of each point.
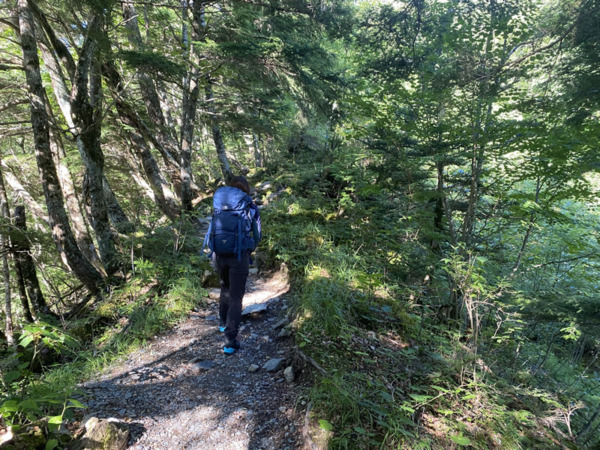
(560, 261)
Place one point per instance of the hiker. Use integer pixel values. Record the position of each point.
(233, 234)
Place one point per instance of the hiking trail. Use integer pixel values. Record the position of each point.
(181, 392)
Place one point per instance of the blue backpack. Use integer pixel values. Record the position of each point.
(229, 230)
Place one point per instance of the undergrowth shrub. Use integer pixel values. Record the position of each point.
(369, 291)
(164, 284)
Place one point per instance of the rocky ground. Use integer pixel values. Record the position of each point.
(182, 392)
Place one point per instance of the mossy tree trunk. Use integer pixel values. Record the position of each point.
(61, 229)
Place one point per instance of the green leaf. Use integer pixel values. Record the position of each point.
(75, 404)
(325, 425)
(29, 404)
(360, 430)
(407, 408)
(12, 376)
(54, 422)
(420, 398)
(26, 340)
(10, 405)
(460, 439)
(51, 444)
(386, 396)
(441, 389)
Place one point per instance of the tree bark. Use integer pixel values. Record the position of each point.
(80, 228)
(82, 110)
(22, 290)
(116, 214)
(86, 105)
(217, 137)
(257, 152)
(22, 252)
(61, 229)
(4, 249)
(148, 88)
(191, 94)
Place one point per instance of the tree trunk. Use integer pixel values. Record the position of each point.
(87, 116)
(82, 110)
(164, 196)
(22, 251)
(217, 137)
(4, 249)
(191, 93)
(80, 228)
(257, 153)
(61, 229)
(148, 88)
(22, 290)
(116, 215)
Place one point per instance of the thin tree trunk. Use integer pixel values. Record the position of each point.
(217, 137)
(22, 251)
(61, 229)
(116, 214)
(529, 229)
(163, 196)
(148, 88)
(257, 155)
(4, 248)
(191, 94)
(22, 290)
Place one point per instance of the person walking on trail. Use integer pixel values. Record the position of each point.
(233, 234)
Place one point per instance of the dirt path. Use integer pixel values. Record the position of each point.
(182, 392)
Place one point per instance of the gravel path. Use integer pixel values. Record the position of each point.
(182, 392)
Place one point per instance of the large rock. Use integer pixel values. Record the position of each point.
(105, 434)
(254, 310)
(214, 293)
(273, 365)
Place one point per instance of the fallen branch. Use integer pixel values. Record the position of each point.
(309, 360)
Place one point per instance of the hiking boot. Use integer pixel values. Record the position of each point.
(231, 347)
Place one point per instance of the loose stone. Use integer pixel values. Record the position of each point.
(273, 365)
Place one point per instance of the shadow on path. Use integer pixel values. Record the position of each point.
(181, 391)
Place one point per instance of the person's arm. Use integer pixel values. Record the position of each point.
(256, 226)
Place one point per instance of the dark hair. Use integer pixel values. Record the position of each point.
(241, 183)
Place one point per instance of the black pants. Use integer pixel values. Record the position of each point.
(233, 275)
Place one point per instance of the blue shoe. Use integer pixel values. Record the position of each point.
(231, 347)
(222, 329)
